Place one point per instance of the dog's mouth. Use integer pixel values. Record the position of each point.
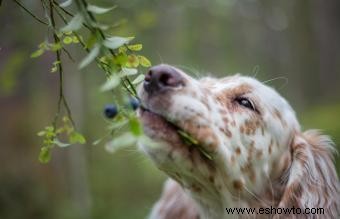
(166, 130)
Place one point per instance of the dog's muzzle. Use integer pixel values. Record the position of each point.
(161, 78)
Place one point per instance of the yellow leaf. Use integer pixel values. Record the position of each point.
(135, 47)
(144, 61)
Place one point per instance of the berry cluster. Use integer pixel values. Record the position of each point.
(111, 110)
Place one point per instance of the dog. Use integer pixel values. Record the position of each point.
(250, 151)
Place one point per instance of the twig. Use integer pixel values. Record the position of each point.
(133, 91)
(61, 76)
(30, 13)
(68, 54)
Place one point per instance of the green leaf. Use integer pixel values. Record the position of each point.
(128, 72)
(118, 124)
(187, 138)
(97, 141)
(132, 61)
(135, 126)
(135, 47)
(90, 57)
(138, 79)
(41, 133)
(144, 61)
(37, 53)
(60, 144)
(101, 26)
(66, 3)
(76, 137)
(68, 40)
(121, 141)
(143, 139)
(116, 42)
(54, 69)
(121, 59)
(43, 45)
(74, 24)
(45, 154)
(55, 66)
(55, 46)
(75, 39)
(91, 41)
(122, 49)
(99, 10)
(111, 83)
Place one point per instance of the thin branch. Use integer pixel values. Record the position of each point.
(68, 54)
(30, 13)
(63, 9)
(61, 76)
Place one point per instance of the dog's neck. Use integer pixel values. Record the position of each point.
(214, 206)
(212, 201)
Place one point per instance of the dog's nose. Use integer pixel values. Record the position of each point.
(162, 77)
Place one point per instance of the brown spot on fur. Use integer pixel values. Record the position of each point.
(233, 123)
(223, 111)
(278, 115)
(249, 170)
(225, 120)
(251, 151)
(205, 102)
(259, 154)
(238, 185)
(251, 126)
(238, 151)
(228, 133)
(241, 129)
(270, 148)
(203, 134)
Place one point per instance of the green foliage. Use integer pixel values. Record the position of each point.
(113, 54)
(51, 138)
(99, 10)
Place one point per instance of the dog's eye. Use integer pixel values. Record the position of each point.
(243, 101)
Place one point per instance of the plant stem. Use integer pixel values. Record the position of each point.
(30, 13)
(62, 98)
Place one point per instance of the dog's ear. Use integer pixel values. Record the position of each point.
(312, 181)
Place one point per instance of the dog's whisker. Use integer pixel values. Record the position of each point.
(256, 70)
(278, 78)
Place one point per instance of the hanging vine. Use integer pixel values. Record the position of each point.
(114, 55)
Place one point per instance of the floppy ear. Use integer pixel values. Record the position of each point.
(312, 181)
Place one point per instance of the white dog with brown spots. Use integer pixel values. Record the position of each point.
(252, 152)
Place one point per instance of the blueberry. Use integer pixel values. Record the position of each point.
(110, 111)
(134, 103)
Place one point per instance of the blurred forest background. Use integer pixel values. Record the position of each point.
(298, 40)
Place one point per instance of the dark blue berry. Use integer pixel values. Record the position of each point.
(134, 103)
(110, 111)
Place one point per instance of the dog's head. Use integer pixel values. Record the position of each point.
(245, 132)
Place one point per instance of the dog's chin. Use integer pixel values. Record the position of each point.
(158, 128)
(168, 148)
